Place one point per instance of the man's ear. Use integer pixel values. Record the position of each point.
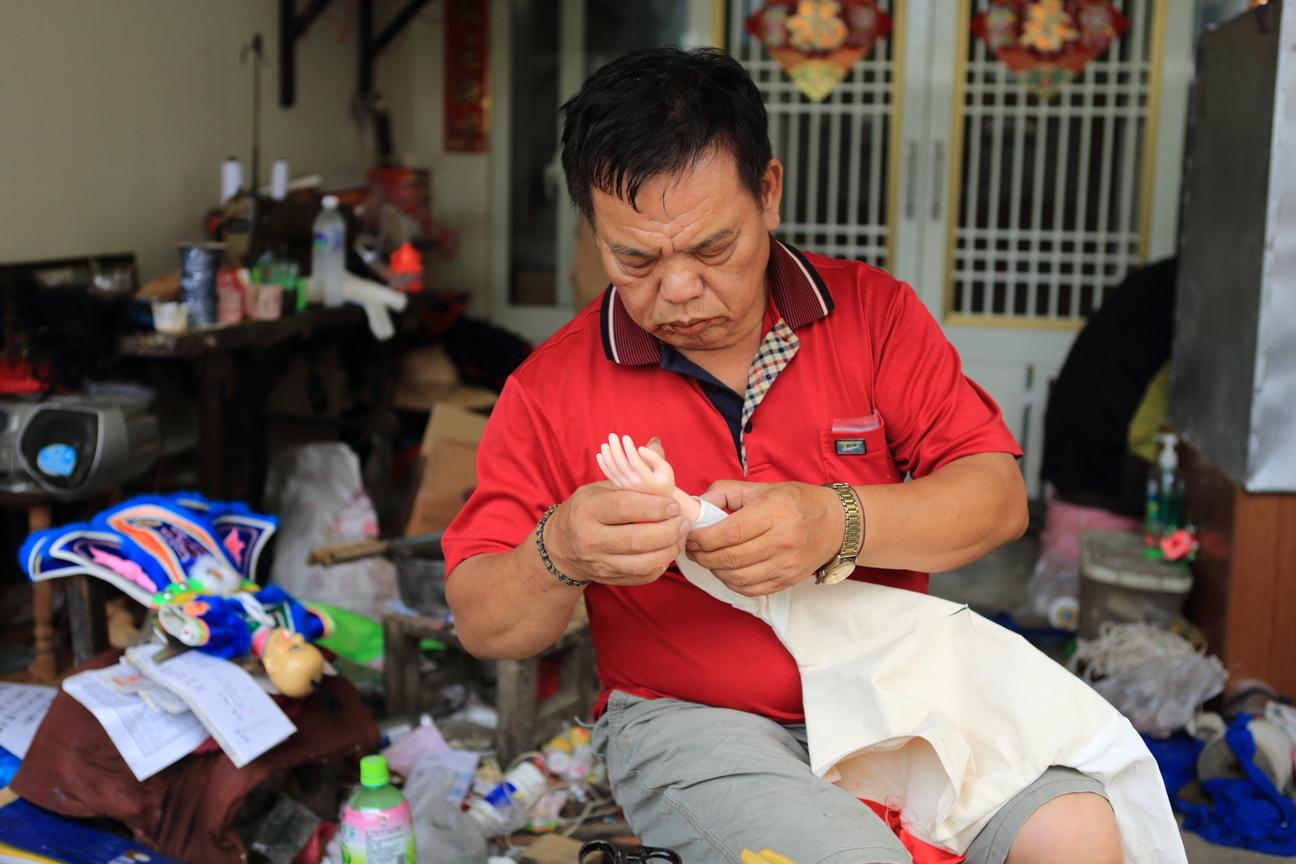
(772, 193)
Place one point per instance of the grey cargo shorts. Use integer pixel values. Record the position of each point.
(710, 782)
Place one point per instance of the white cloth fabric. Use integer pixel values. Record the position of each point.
(924, 706)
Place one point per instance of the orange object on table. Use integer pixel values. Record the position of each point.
(407, 269)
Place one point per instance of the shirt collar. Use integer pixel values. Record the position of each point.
(795, 286)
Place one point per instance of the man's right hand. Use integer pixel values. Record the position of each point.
(603, 534)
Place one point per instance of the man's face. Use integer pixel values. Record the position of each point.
(689, 265)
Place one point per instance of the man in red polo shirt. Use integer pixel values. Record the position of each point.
(795, 391)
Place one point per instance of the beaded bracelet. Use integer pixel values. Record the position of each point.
(544, 556)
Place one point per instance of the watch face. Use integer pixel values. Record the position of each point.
(838, 572)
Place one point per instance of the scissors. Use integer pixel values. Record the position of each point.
(637, 855)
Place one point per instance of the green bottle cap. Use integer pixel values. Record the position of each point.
(373, 771)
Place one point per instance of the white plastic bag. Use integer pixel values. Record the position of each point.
(443, 833)
(317, 493)
(1053, 591)
(1160, 696)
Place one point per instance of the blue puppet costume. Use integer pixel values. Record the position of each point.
(192, 560)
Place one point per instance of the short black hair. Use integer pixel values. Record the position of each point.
(658, 111)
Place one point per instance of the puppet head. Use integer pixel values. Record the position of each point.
(291, 662)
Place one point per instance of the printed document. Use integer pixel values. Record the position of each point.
(22, 708)
(242, 718)
(148, 740)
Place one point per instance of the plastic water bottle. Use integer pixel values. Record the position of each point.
(505, 808)
(328, 254)
(376, 825)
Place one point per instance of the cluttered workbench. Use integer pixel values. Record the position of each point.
(210, 709)
(236, 367)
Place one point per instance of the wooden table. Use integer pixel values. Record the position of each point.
(262, 349)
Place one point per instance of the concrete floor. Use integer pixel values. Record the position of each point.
(997, 583)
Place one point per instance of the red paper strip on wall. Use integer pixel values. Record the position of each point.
(467, 95)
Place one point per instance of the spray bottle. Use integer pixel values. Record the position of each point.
(376, 826)
(1165, 493)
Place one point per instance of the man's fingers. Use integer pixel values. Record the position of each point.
(626, 507)
(758, 589)
(648, 565)
(733, 495)
(752, 552)
(636, 539)
(730, 532)
(754, 580)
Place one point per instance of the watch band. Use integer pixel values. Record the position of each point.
(853, 539)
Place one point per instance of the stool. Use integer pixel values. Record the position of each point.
(524, 723)
(1119, 583)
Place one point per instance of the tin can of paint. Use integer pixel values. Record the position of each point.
(199, 263)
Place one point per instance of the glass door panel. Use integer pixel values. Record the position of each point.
(1051, 193)
(837, 154)
(533, 193)
(543, 50)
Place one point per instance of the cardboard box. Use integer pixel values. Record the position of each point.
(448, 473)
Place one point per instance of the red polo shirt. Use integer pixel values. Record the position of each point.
(869, 353)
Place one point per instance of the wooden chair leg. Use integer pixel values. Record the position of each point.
(515, 688)
(44, 667)
(87, 617)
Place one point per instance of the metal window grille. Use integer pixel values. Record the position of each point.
(835, 153)
(1050, 192)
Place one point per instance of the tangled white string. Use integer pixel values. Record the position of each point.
(1121, 647)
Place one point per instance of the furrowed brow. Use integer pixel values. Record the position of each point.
(722, 234)
(627, 251)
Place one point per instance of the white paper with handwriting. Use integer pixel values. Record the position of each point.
(148, 740)
(22, 708)
(242, 718)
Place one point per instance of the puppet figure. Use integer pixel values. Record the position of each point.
(193, 561)
(908, 697)
(293, 664)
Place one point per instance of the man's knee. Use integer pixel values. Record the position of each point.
(1078, 828)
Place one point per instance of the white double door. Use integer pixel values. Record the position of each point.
(1009, 215)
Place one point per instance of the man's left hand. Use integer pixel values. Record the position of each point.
(778, 534)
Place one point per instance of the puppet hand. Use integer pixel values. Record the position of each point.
(643, 470)
(778, 534)
(603, 534)
(638, 470)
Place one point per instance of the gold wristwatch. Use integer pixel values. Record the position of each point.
(843, 563)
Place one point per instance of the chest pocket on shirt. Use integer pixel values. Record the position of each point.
(857, 457)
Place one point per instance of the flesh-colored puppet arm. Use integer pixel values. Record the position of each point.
(644, 469)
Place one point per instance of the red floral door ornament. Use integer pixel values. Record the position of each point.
(818, 41)
(1047, 42)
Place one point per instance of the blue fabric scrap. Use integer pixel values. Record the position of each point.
(1249, 813)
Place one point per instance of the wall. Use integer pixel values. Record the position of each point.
(116, 117)
(412, 76)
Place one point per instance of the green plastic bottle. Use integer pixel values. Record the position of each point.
(376, 826)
